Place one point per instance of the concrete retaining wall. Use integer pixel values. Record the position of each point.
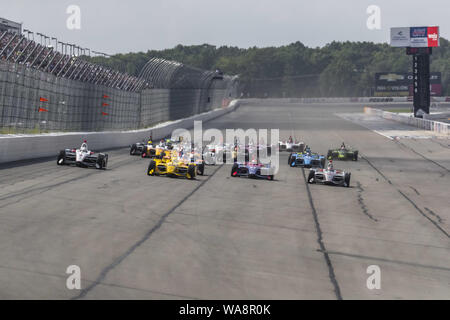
(23, 147)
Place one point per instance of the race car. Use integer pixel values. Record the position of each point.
(250, 152)
(329, 176)
(219, 153)
(151, 151)
(139, 147)
(253, 170)
(343, 153)
(306, 159)
(172, 168)
(196, 158)
(291, 146)
(82, 157)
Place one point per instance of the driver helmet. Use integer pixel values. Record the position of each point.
(84, 146)
(330, 166)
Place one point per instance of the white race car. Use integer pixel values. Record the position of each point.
(82, 157)
(291, 146)
(329, 176)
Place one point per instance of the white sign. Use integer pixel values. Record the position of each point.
(400, 37)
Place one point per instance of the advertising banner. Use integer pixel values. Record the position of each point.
(415, 37)
(392, 84)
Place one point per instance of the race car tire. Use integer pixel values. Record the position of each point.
(133, 150)
(151, 168)
(322, 163)
(289, 159)
(61, 158)
(234, 170)
(311, 177)
(101, 161)
(347, 179)
(201, 169)
(191, 172)
(355, 156)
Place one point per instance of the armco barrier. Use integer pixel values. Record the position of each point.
(430, 125)
(14, 148)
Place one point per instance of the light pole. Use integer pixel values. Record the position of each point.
(62, 47)
(27, 32)
(56, 43)
(40, 35)
(47, 44)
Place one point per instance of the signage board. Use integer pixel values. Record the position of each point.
(394, 84)
(415, 37)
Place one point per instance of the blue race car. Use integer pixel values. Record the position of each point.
(306, 159)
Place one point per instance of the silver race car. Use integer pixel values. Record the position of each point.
(82, 157)
(329, 176)
(291, 146)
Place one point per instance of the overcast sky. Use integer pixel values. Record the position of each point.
(114, 26)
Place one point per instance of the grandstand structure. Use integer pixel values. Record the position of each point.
(17, 47)
(10, 26)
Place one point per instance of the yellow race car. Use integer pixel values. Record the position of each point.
(171, 167)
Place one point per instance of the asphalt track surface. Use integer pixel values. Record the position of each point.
(140, 237)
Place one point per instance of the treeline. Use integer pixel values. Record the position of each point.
(337, 69)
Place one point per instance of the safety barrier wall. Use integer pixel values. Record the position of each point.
(32, 101)
(350, 100)
(435, 126)
(23, 147)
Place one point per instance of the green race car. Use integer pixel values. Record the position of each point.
(343, 153)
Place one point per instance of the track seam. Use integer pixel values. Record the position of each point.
(322, 249)
(146, 236)
(409, 200)
(421, 155)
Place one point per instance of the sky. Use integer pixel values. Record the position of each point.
(118, 26)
